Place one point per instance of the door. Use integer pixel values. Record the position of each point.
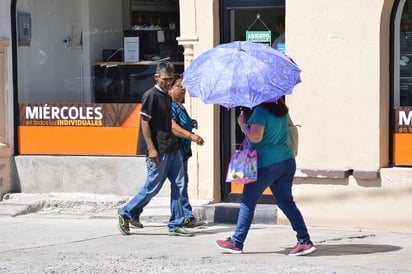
(237, 17)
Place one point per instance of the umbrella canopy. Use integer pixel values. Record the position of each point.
(241, 74)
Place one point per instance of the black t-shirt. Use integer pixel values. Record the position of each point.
(157, 105)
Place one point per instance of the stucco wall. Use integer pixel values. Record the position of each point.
(200, 31)
(342, 103)
(5, 32)
(6, 119)
(343, 100)
(383, 203)
(343, 107)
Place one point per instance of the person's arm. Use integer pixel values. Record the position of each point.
(147, 135)
(182, 133)
(254, 133)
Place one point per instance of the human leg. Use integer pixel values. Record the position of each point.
(190, 220)
(282, 191)
(187, 208)
(177, 181)
(156, 175)
(250, 196)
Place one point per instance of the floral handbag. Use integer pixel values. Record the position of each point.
(243, 165)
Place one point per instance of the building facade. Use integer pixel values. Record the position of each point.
(354, 163)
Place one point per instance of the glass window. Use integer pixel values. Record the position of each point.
(241, 20)
(237, 17)
(404, 96)
(73, 51)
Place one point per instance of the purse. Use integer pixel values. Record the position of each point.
(242, 167)
(293, 138)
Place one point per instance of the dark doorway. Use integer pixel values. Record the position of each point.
(236, 17)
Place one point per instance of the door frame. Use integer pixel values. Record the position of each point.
(226, 130)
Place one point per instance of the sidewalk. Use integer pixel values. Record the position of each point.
(64, 240)
(87, 204)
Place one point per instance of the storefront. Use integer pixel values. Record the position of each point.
(81, 76)
(79, 71)
(353, 103)
(402, 84)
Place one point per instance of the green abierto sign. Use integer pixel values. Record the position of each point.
(259, 36)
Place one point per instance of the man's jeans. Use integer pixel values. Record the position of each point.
(170, 167)
(279, 177)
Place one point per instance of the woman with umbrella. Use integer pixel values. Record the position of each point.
(266, 131)
(243, 73)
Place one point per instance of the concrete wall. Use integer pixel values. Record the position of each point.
(199, 32)
(383, 203)
(6, 99)
(5, 32)
(101, 175)
(343, 100)
(343, 106)
(5, 149)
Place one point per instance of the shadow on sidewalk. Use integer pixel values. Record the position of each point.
(344, 249)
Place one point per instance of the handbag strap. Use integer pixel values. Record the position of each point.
(245, 144)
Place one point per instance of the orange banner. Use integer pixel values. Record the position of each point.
(402, 137)
(78, 129)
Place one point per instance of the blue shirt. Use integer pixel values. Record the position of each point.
(183, 119)
(274, 145)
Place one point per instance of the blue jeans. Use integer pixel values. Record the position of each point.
(170, 167)
(279, 177)
(187, 208)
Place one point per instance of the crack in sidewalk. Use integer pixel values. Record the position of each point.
(347, 238)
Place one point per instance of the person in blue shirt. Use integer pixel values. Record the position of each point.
(267, 132)
(280, 28)
(182, 126)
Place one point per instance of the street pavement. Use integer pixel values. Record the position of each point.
(67, 236)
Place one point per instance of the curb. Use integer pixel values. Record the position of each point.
(88, 205)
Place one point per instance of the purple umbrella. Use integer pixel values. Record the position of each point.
(241, 74)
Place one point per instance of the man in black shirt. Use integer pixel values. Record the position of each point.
(163, 158)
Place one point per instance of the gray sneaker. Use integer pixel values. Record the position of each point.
(191, 223)
(180, 232)
(136, 223)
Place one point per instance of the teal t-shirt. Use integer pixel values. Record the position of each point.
(274, 145)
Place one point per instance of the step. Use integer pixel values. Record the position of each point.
(227, 213)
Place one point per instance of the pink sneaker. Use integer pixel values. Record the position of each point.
(227, 246)
(302, 249)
